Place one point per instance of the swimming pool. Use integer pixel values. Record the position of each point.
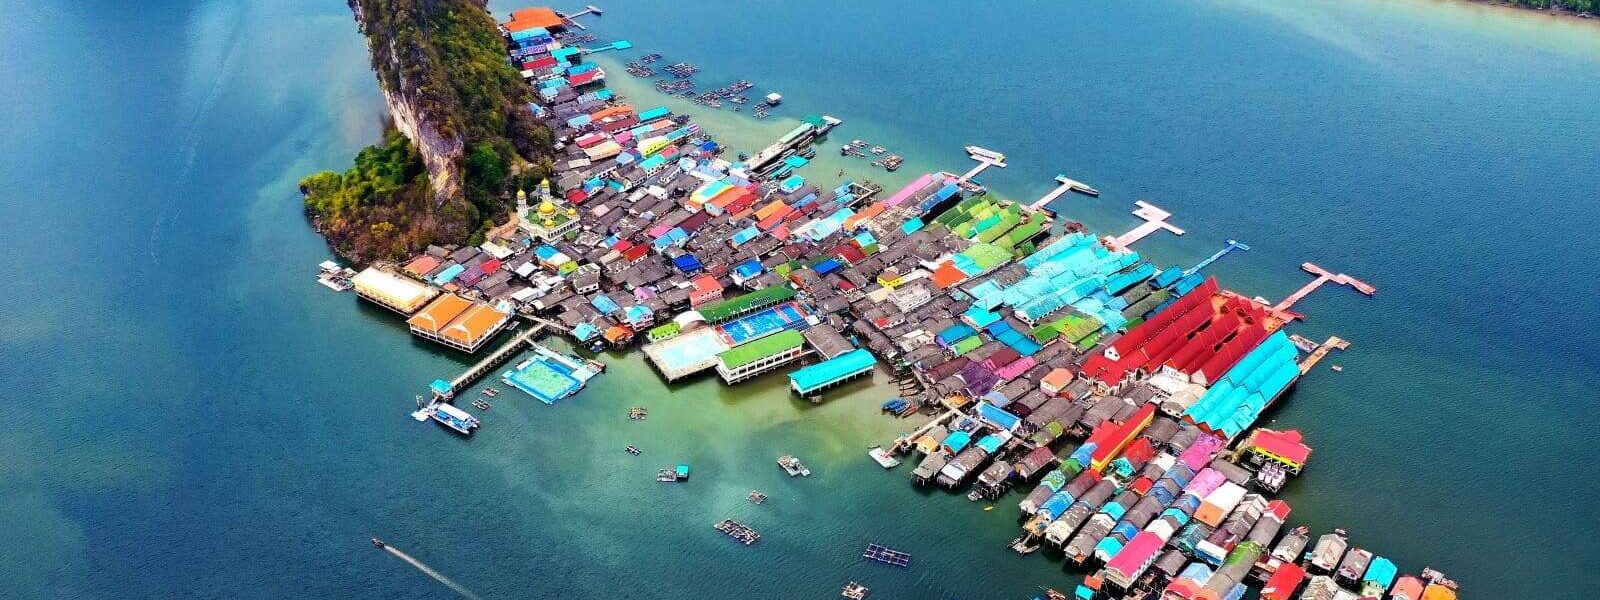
(688, 352)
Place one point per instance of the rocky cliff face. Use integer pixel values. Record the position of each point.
(403, 93)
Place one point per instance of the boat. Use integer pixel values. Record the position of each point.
(335, 276)
(774, 99)
(892, 163)
(667, 476)
(756, 497)
(854, 591)
(632, 449)
(1337, 368)
(793, 466)
(456, 419)
(882, 457)
(738, 531)
(985, 153)
(878, 150)
(334, 282)
(682, 472)
(377, 543)
(481, 405)
(491, 392)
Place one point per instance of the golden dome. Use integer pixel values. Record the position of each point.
(547, 208)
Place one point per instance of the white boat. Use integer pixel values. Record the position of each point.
(454, 418)
(335, 277)
(980, 152)
(883, 458)
(793, 466)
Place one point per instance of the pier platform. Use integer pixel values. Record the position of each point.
(488, 363)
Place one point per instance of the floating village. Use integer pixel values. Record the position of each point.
(1117, 398)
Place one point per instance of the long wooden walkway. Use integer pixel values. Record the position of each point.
(1316, 356)
(500, 354)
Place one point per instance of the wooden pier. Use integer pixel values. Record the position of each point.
(1066, 185)
(1316, 356)
(489, 362)
(983, 163)
(1155, 219)
(1232, 245)
(572, 19)
(904, 441)
(1323, 276)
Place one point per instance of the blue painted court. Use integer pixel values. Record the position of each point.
(545, 380)
(760, 324)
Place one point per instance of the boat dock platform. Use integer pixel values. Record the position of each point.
(986, 158)
(1155, 219)
(1322, 350)
(1232, 245)
(832, 372)
(1065, 185)
(1322, 276)
(886, 555)
(572, 19)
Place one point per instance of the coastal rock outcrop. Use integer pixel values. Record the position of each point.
(401, 65)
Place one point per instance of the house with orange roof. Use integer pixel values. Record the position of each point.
(458, 323)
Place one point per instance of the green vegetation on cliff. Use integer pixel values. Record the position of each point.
(1579, 6)
(443, 62)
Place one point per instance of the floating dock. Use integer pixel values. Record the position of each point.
(1065, 185)
(549, 375)
(885, 555)
(1321, 351)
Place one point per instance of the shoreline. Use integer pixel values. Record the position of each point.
(1554, 11)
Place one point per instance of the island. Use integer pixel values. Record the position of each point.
(460, 138)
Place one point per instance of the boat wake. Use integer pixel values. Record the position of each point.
(427, 570)
(193, 135)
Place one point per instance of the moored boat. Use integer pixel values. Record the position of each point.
(454, 418)
(793, 466)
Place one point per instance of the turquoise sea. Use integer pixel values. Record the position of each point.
(191, 415)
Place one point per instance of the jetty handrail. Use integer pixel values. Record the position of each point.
(516, 344)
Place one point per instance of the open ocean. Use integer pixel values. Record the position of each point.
(191, 415)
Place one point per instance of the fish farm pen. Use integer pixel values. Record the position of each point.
(1119, 397)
